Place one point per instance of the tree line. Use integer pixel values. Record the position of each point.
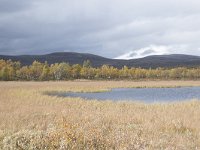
(11, 71)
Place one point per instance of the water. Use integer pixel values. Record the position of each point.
(141, 94)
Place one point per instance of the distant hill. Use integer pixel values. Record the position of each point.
(154, 61)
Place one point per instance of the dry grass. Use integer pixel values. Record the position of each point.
(31, 120)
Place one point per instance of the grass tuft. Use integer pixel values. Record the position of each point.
(29, 119)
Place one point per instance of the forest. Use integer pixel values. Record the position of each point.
(14, 71)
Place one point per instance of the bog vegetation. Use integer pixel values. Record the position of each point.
(38, 71)
(31, 120)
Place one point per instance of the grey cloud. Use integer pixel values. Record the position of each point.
(109, 28)
(133, 54)
(147, 52)
(10, 6)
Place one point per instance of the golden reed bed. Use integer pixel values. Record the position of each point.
(31, 120)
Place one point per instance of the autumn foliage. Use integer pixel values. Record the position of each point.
(38, 71)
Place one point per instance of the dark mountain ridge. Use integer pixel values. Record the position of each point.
(154, 61)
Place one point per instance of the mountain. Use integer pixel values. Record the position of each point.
(154, 61)
(70, 57)
(169, 61)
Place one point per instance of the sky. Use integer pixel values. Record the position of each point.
(122, 29)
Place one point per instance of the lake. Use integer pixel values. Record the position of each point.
(140, 94)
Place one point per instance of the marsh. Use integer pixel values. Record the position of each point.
(31, 119)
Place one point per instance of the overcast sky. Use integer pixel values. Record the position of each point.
(111, 28)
